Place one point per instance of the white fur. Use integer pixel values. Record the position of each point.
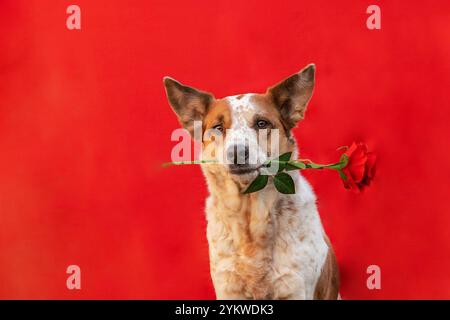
(240, 131)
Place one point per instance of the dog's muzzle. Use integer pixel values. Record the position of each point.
(238, 160)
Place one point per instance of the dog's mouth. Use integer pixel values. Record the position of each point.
(242, 169)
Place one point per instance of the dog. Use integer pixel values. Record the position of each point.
(262, 245)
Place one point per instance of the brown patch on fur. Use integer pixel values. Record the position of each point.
(285, 207)
(218, 113)
(327, 287)
(269, 111)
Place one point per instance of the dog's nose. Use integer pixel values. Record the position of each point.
(238, 154)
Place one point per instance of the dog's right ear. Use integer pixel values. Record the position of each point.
(188, 103)
(292, 95)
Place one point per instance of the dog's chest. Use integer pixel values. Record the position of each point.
(277, 254)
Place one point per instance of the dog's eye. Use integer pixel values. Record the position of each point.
(262, 124)
(218, 127)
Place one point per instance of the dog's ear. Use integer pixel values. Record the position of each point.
(292, 95)
(188, 103)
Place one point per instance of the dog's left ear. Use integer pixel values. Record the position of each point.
(292, 95)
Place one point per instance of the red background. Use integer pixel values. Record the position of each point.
(84, 125)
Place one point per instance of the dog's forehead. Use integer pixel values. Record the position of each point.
(242, 103)
(241, 109)
(244, 106)
(251, 104)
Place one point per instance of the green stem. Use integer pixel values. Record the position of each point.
(309, 165)
(312, 165)
(177, 163)
(334, 166)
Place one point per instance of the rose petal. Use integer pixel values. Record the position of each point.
(357, 164)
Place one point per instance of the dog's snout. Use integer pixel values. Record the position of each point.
(238, 154)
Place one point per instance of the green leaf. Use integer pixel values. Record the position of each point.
(283, 159)
(284, 183)
(279, 162)
(295, 166)
(285, 156)
(259, 183)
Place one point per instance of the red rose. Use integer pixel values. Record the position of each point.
(360, 168)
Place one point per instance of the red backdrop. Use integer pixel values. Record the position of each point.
(84, 125)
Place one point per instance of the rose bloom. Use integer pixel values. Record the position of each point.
(360, 168)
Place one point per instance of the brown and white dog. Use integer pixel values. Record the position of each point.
(263, 245)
